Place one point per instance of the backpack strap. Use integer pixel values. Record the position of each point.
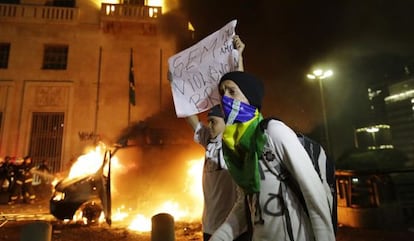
(283, 175)
(286, 181)
(284, 178)
(313, 149)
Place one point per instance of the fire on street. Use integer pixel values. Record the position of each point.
(13, 219)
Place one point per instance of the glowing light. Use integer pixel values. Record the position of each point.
(155, 3)
(372, 129)
(88, 164)
(98, 3)
(153, 12)
(190, 27)
(109, 9)
(158, 3)
(320, 74)
(119, 215)
(195, 179)
(381, 147)
(400, 96)
(141, 224)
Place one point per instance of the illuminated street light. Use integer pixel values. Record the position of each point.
(319, 75)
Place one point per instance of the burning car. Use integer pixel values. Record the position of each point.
(84, 197)
(141, 180)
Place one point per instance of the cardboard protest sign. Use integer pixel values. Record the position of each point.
(195, 72)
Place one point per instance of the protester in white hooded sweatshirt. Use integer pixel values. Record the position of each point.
(274, 212)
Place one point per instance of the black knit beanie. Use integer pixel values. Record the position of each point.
(216, 111)
(251, 86)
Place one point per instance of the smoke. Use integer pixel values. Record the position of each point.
(154, 174)
(174, 25)
(155, 161)
(162, 128)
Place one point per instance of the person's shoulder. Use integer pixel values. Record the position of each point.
(278, 130)
(273, 123)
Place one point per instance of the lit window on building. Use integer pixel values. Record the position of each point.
(153, 12)
(4, 55)
(55, 57)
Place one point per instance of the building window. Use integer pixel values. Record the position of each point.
(46, 138)
(55, 57)
(10, 1)
(134, 2)
(63, 3)
(4, 55)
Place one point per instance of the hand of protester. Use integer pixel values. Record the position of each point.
(238, 44)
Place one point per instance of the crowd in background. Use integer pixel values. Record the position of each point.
(17, 178)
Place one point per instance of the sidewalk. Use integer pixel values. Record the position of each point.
(40, 206)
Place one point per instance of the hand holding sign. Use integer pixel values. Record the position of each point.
(196, 71)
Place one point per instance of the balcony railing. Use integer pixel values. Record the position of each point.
(129, 12)
(35, 13)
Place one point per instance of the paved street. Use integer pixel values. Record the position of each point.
(13, 217)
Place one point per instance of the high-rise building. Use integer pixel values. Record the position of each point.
(375, 133)
(66, 72)
(400, 115)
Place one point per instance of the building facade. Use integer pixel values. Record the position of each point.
(400, 115)
(375, 184)
(65, 73)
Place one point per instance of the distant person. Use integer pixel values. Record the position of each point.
(29, 195)
(273, 209)
(44, 168)
(6, 174)
(23, 187)
(16, 173)
(43, 176)
(3, 175)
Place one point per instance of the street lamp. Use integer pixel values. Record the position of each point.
(319, 75)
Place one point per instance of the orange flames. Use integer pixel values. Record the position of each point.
(135, 213)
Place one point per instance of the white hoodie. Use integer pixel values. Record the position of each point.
(267, 206)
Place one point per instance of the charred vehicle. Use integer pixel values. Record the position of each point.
(88, 197)
(84, 197)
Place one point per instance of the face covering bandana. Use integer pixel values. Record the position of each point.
(236, 111)
(243, 143)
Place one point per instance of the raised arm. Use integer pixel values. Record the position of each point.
(193, 121)
(239, 45)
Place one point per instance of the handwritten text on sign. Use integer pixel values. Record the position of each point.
(196, 71)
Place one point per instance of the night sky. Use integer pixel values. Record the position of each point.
(363, 42)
